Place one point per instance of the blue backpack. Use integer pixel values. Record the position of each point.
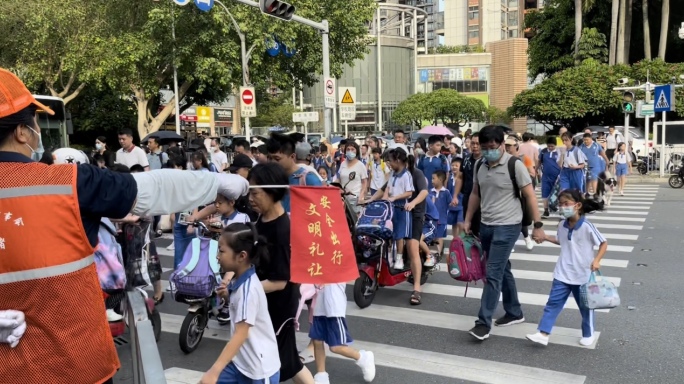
(198, 274)
(376, 220)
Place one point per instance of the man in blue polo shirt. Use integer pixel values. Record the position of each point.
(594, 153)
(281, 149)
(434, 160)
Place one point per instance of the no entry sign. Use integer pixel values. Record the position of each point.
(248, 102)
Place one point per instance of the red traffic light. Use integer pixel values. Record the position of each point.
(277, 8)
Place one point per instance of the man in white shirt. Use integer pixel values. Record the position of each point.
(129, 154)
(612, 140)
(218, 157)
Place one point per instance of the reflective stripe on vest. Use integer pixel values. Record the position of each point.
(47, 272)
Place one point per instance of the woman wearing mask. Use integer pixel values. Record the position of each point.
(419, 150)
(102, 154)
(359, 185)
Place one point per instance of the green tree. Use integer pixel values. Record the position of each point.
(444, 105)
(50, 45)
(593, 45)
(274, 111)
(576, 97)
(494, 115)
(414, 110)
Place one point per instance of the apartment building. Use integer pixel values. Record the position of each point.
(427, 31)
(478, 22)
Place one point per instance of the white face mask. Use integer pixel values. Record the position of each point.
(98, 146)
(567, 212)
(37, 154)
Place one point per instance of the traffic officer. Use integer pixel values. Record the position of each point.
(53, 326)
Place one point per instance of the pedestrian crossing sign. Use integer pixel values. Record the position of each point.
(664, 98)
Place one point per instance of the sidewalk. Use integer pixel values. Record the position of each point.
(652, 178)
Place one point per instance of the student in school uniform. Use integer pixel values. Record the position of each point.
(251, 355)
(455, 213)
(399, 189)
(441, 197)
(572, 171)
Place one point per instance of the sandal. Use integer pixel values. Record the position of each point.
(415, 298)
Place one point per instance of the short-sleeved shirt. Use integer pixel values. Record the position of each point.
(574, 157)
(613, 140)
(623, 158)
(157, 160)
(311, 178)
(134, 156)
(282, 305)
(400, 183)
(219, 159)
(419, 185)
(431, 164)
(331, 301)
(101, 193)
(576, 251)
(379, 172)
(498, 203)
(235, 217)
(592, 153)
(529, 150)
(467, 170)
(353, 186)
(258, 356)
(549, 163)
(441, 198)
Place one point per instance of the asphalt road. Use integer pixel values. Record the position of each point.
(429, 343)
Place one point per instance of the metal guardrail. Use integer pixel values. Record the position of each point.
(147, 365)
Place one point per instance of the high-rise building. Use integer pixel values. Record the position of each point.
(478, 22)
(428, 30)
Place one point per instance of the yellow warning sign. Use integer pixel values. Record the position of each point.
(347, 98)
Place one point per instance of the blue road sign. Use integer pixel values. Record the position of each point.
(664, 98)
(204, 5)
(272, 47)
(287, 51)
(423, 76)
(182, 2)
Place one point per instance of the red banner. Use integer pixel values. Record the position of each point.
(322, 250)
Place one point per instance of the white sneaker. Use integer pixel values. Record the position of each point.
(399, 264)
(538, 338)
(171, 247)
(367, 364)
(429, 261)
(322, 378)
(529, 244)
(170, 288)
(113, 317)
(587, 341)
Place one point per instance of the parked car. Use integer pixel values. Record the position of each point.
(636, 138)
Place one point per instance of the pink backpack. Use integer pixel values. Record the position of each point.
(466, 261)
(307, 292)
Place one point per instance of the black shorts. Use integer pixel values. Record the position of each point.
(610, 153)
(417, 221)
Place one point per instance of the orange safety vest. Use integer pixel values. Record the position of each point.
(47, 272)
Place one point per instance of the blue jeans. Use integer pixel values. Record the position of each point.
(557, 298)
(497, 243)
(181, 242)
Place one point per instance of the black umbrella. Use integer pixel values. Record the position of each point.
(164, 137)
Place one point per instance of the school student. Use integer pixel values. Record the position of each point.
(572, 172)
(441, 197)
(455, 214)
(623, 167)
(330, 327)
(577, 238)
(400, 189)
(251, 355)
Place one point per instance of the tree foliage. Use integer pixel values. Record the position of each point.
(593, 45)
(583, 95)
(444, 105)
(274, 111)
(494, 115)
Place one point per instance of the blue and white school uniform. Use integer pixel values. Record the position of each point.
(399, 184)
(329, 323)
(573, 269)
(550, 170)
(454, 214)
(594, 159)
(235, 217)
(573, 178)
(431, 217)
(257, 361)
(441, 198)
(621, 160)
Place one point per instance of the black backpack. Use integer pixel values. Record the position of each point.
(527, 218)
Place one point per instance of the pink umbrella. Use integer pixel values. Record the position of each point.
(439, 130)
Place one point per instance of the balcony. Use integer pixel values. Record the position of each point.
(439, 24)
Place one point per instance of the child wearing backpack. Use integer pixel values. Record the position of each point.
(577, 238)
(330, 327)
(251, 355)
(441, 197)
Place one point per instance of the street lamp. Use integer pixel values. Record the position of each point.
(175, 72)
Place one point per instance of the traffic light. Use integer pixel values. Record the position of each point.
(628, 102)
(277, 9)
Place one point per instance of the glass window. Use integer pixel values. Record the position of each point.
(482, 85)
(503, 18)
(513, 19)
(512, 3)
(503, 34)
(473, 32)
(513, 33)
(473, 13)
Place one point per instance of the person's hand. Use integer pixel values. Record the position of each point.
(232, 186)
(210, 377)
(12, 327)
(538, 235)
(409, 206)
(595, 265)
(454, 201)
(466, 227)
(222, 291)
(360, 200)
(390, 199)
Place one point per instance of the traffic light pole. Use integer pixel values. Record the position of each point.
(323, 28)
